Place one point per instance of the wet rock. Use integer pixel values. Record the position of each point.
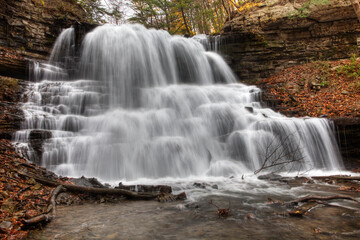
(296, 181)
(88, 182)
(199, 185)
(32, 31)
(181, 196)
(270, 176)
(146, 188)
(347, 131)
(250, 109)
(168, 197)
(5, 226)
(66, 198)
(215, 186)
(36, 141)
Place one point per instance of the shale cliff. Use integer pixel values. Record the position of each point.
(28, 29)
(282, 33)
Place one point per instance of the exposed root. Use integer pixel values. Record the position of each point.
(321, 198)
(51, 212)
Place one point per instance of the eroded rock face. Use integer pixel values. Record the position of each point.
(272, 37)
(30, 27)
(348, 133)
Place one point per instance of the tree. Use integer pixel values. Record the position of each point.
(97, 12)
(280, 151)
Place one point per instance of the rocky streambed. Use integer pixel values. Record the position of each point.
(264, 215)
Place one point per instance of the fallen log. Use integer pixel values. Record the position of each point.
(332, 205)
(99, 191)
(321, 198)
(337, 177)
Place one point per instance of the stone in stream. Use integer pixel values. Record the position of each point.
(146, 188)
(88, 182)
(270, 176)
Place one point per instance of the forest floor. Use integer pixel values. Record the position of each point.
(317, 89)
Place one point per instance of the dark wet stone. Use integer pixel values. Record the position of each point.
(199, 185)
(250, 109)
(146, 188)
(270, 176)
(88, 182)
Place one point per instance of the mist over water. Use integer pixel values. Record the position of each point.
(147, 105)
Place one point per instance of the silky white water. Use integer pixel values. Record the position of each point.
(147, 105)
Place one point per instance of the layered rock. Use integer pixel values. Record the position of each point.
(348, 133)
(28, 29)
(276, 35)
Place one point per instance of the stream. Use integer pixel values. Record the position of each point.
(251, 217)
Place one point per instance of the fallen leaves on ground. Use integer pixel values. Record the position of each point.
(21, 197)
(315, 89)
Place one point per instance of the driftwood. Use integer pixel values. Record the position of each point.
(311, 201)
(51, 211)
(355, 233)
(60, 187)
(337, 177)
(105, 191)
(321, 198)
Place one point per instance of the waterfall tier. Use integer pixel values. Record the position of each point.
(149, 105)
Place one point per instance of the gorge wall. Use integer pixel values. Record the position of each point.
(276, 35)
(29, 28)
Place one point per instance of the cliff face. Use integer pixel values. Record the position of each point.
(28, 29)
(276, 35)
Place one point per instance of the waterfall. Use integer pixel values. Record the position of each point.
(61, 59)
(149, 105)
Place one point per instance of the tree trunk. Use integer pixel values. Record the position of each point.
(184, 19)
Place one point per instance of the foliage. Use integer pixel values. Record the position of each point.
(8, 88)
(352, 69)
(187, 16)
(325, 72)
(304, 10)
(97, 12)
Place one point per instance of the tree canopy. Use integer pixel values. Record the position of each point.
(176, 16)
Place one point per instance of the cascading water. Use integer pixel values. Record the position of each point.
(149, 105)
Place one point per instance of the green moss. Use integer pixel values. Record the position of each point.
(8, 88)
